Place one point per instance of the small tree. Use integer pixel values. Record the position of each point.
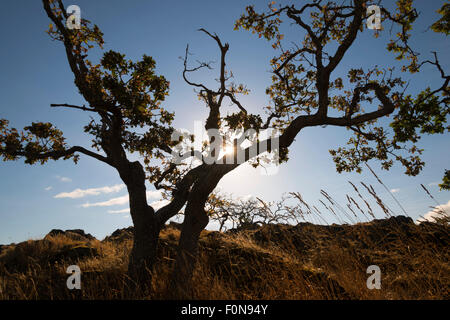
(125, 95)
(243, 212)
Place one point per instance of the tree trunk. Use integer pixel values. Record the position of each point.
(146, 227)
(145, 244)
(194, 222)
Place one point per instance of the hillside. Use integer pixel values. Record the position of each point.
(277, 261)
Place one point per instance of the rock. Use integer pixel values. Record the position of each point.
(394, 221)
(74, 234)
(403, 219)
(120, 235)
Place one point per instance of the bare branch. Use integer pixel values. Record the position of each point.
(72, 106)
(66, 153)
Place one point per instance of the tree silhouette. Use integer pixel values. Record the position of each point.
(124, 96)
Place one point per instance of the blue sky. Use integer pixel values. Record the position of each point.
(35, 73)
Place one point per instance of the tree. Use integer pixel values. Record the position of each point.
(445, 185)
(122, 96)
(125, 95)
(303, 94)
(243, 212)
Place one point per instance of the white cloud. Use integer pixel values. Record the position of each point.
(126, 210)
(156, 205)
(154, 194)
(247, 197)
(395, 190)
(63, 179)
(111, 202)
(430, 215)
(79, 193)
(119, 200)
(433, 184)
(48, 188)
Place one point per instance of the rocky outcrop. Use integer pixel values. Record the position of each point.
(120, 235)
(74, 234)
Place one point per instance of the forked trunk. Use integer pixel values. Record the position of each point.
(195, 221)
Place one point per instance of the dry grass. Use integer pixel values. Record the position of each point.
(272, 261)
(269, 262)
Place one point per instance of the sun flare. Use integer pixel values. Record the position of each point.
(228, 150)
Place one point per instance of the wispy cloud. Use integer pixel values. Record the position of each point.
(111, 202)
(154, 194)
(119, 200)
(48, 188)
(155, 205)
(439, 212)
(126, 210)
(63, 179)
(159, 204)
(80, 193)
(431, 184)
(395, 190)
(247, 197)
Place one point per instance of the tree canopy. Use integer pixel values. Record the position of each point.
(126, 100)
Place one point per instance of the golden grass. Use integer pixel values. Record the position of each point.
(270, 262)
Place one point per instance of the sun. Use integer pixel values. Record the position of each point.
(228, 150)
